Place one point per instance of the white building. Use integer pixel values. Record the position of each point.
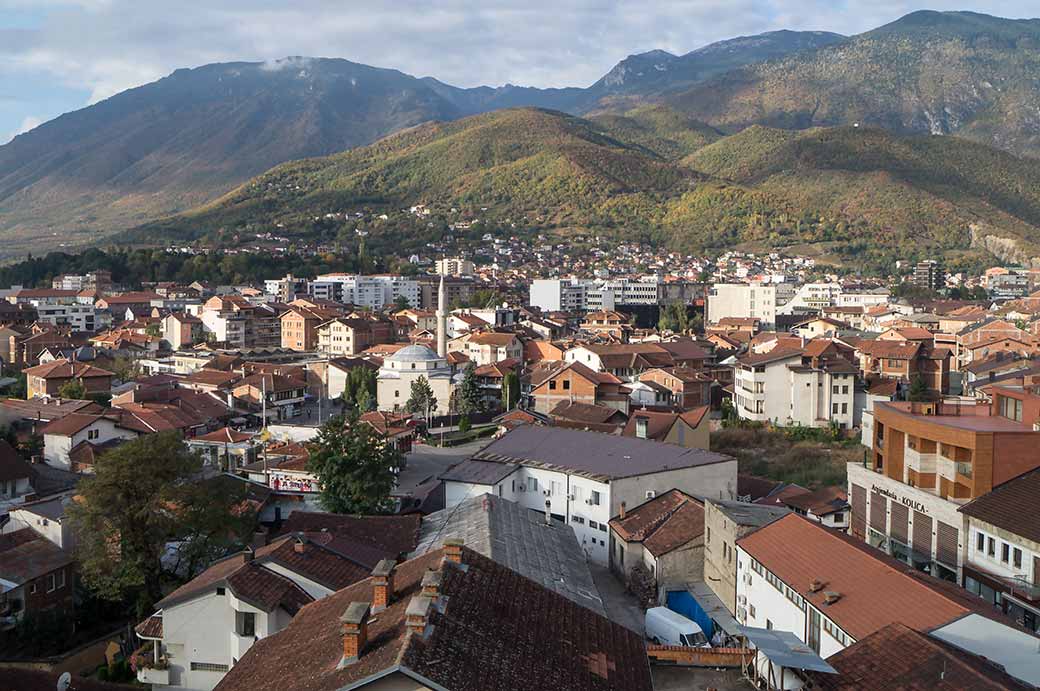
(204, 627)
(811, 297)
(742, 300)
(400, 370)
(558, 295)
(366, 291)
(787, 387)
(794, 575)
(584, 477)
(454, 266)
(63, 435)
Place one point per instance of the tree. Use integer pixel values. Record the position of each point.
(153, 330)
(73, 389)
(360, 381)
(365, 401)
(125, 369)
(421, 399)
(140, 497)
(510, 391)
(206, 535)
(468, 397)
(401, 303)
(355, 466)
(918, 389)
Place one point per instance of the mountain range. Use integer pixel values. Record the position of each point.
(663, 135)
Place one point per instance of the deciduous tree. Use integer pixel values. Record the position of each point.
(355, 465)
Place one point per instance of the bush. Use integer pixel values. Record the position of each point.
(464, 425)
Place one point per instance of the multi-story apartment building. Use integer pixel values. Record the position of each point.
(929, 275)
(557, 295)
(63, 308)
(344, 336)
(1003, 552)
(743, 300)
(300, 327)
(366, 291)
(454, 266)
(929, 459)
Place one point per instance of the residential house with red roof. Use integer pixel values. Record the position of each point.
(831, 591)
(48, 378)
(203, 628)
(689, 428)
(488, 347)
(450, 619)
(36, 578)
(555, 382)
(663, 538)
(65, 434)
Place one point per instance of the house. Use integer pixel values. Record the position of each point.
(491, 379)
(15, 478)
(688, 387)
(278, 397)
(689, 429)
(583, 477)
(338, 369)
(663, 536)
(36, 578)
(488, 347)
(439, 620)
(299, 327)
(1003, 548)
(63, 435)
(628, 360)
(725, 522)
(47, 379)
(831, 591)
(182, 330)
(224, 448)
(349, 336)
(399, 430)
(202, 628)
(818, 327)
(518, 538)
(899, 658)
(46, 517)
(608, 323)
(828, 506)
(598, 418)
(555, 382)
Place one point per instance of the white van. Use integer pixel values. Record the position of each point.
(671, 628)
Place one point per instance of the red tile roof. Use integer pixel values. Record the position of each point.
(664, 523)
(63, 369)
(874, 591)
(1011, 505)
(898, 658)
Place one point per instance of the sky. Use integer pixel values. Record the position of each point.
(61, 55)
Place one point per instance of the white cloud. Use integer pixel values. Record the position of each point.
(28, 123)
(104, 46)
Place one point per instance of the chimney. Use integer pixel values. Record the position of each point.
(453, 549)
(622, 514)
(247, 554)
(354, 627)
(548, 512)
(641, 428)
(416, 614)
(431, 583)
(300, 545)
(815, 586)
(830, 597)
(382, 585)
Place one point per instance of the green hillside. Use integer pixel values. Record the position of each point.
(858, 194)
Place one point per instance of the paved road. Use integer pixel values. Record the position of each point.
(426, 462)
(621, 607)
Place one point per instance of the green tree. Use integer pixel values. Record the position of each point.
(205, 535)
(510, 391)
(73, 389)
(153, 330)
(355, 466)
(421, 399)
(918, 389)
(401, 303)
(125, 369)
(468, 397)
(366, 401)
(141, 496)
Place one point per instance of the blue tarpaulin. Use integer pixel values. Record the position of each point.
(684, 603)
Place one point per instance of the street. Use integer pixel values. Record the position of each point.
(426, 462)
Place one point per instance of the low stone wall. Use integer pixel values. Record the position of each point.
(82, 658)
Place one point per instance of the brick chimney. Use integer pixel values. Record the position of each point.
(622, 514)
(382, 585)
(431, 583)
(300, 545)
(453, 549)
(416, 614)
(354, 627)
(247, 554)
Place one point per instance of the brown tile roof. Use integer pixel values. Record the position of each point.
(776, 354)
(70, 424)
(664, 523)
(397, 535)
(26, 555)
(821, 502)
(63, 369)
(12, 467)
(895, 350)
(898, 658)
(585, 412)
(1011, 505)
(491, 338)
(212, 377)
(267, 589)
(874, 590)
(151, 627)
(225, 435)
(492, 629)
(755, 487)
(86, 454)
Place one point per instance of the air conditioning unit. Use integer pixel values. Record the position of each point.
(589, 502)
(650, 494)
(546, 492)
(570, 497)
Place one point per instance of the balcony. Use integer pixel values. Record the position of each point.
(1021, 588)
(920, 463)
(151, 666)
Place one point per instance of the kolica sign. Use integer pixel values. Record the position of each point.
(906, 501)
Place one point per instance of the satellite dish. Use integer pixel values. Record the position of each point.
(64, 681)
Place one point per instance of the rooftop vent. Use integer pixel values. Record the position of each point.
(830, 597)
(815, 586)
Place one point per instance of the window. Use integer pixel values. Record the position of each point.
(769, 625)
(32, 589)
(93, 434)
(751, 609)
(578, 519)
(991, 547)
(980, 543)
(566, 384)
(1005, 552)
(532, 484)
(552, 385)
(602, 529)
(220, 591)
(834, 389)
(1018, 558)
(245, 623)
(61, 578)
(707, 533)
(844, 408)
(208, 667)
(51, 583)
(594, 499)
(845, 389)
(593, 525)
(834, 408)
